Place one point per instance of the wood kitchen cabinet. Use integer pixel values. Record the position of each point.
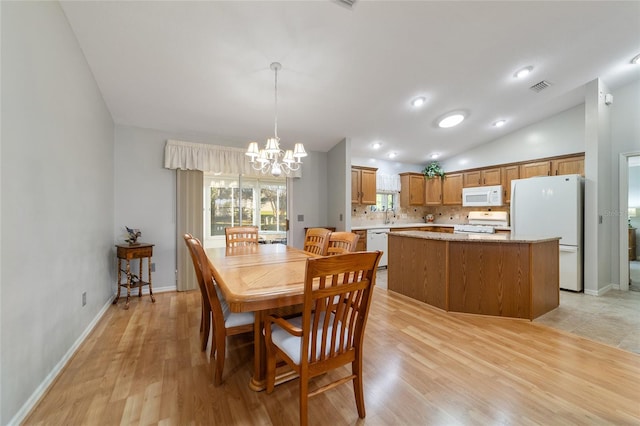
(452, 189)
(433, 191)
(363, 185)
(539, 168)
(361, 245)
(483, 177)
(412, 189)
(508, 173)
(632, 243)
(568, 166)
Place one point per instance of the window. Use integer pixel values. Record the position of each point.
(384, 201)
(239, 200)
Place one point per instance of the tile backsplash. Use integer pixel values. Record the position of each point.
(363, 216)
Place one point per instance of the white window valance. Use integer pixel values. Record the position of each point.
(387, 183)
(210, 159)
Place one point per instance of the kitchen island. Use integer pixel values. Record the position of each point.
(493, 274)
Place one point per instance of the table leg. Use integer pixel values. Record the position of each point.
(119, 263)
(153, 299)
(140, 278)
(128, 271)
(258, 381)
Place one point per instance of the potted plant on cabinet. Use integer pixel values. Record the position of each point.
(432, 170)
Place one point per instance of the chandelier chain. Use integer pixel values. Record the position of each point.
(275, 131)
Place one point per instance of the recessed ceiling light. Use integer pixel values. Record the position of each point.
(392, 155)
(500, 123)
(418, 102)
(376, 145)
(635, 60)
(434, 156)
(451, 120)
(523, 72)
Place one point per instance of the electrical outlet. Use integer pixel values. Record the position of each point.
(153, 266)
(84, 298)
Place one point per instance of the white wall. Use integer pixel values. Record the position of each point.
(386, 167)
(339, 176)
(57, 200)
(310, 197)
(145, 193)
(558, 135)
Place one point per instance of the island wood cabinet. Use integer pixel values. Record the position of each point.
(517, 279)
(412, 189)
(433, 191)
(483, 177)
(452, 189)
(363, 185)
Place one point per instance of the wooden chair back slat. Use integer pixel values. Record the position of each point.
(236, 236)
(316, 241)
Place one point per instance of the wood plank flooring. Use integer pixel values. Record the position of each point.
(422, 366)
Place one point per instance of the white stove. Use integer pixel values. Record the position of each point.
(482, 223)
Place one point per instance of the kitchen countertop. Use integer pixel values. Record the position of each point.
(505, 238)
(416, 225)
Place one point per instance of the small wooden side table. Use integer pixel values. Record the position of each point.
(127, 252)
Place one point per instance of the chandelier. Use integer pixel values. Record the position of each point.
(269, 159)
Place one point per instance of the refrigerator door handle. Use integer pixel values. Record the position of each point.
(512, 215)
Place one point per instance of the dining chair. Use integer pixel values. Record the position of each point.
(225, 323)
(205, 318)
(236, 236)
(316, 241)
(342, 242)
(330, 331)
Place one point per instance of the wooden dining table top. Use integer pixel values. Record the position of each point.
(259, 277)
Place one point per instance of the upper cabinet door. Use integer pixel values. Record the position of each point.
(509, 173)
(368, 185)
(363, 185)
(412, 189)
(540, 168)
(433, 191)
(471, 179)
(452, 189)
(569, 166)
(491, 177)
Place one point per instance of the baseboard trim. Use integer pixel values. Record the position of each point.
(44, 386)
(600, 291)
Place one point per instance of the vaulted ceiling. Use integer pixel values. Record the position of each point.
(351, 72)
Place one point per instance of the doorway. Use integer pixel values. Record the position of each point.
(629, 221)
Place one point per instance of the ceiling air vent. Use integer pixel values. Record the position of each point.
(538, 87)
(346, 3)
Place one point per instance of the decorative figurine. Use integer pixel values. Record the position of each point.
(133, 235)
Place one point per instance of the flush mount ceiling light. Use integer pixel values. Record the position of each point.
(451, 119)
(392, 155)
(418, 102)
(376, 145)
(268, 159)
(434, 156)
(500, 123)
(523, 72)
(635, 60)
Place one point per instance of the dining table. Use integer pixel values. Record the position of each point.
(264, 279)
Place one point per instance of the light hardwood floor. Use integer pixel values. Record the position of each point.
(422, 366)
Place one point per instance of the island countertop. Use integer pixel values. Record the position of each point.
(504, 238)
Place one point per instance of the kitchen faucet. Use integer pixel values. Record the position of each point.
(386, 216)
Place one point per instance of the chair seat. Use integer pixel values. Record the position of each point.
(236, 319)
(290, 344)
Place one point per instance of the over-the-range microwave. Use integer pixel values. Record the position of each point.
(480, 196)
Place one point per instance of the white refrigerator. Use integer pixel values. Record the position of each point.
(551, 206)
